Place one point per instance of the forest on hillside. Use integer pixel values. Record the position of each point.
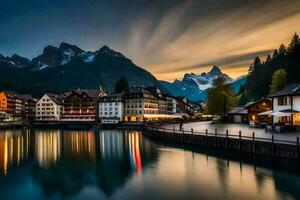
(260, 72)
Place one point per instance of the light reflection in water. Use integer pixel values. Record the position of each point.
(123, 164)
(79, 145)
(48, 147)
(134, 152)
(14, 149)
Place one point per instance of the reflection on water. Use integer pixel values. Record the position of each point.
(14, 149)
(110, 164)
(47, 147)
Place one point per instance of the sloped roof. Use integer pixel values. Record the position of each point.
(258, 101)
(11, 94)
(290, 90)
(90, 92)
(55, 97)
(25, 97)
(238, 110)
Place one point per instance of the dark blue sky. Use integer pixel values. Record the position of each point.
(163, 36)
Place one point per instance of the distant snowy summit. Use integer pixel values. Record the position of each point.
(62, 68)
(195, 86)
(204, 80)
(53, 56)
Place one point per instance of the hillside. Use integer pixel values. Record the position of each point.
(62, 68)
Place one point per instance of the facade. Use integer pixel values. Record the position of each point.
(149, 104)
(137, 104)
(111, 109)
(286, 105)
(256, 110)
(10, 106)
(28, 107)
(49, 107)
(238, 114)
(172, 106)
(81, 105)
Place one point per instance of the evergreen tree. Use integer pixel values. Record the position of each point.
(282, 49)
(279, 80)
(220, 98)
(275, 54)
(268, 58)
(122, 85)
(257, 63)
(294, 43)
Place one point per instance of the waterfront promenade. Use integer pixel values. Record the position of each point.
(233, 129)
(255, 144)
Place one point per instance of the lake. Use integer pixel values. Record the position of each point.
(113, 164)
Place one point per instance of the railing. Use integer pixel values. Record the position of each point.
(272, 140)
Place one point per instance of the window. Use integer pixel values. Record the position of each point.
(282, 101)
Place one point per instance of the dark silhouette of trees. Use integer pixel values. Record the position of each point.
(260, 73)
(122, 85)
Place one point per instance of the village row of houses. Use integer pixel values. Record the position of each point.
(281, 109)
(141, 104)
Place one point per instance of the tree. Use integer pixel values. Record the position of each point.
(122, 85)
(279, 80)
(282, 49)
(268, 58)
(257, 62)
(220, 98)
(275, 54)
(294, 43)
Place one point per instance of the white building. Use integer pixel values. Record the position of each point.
(49, 107)
(286, 105)
(111, 109)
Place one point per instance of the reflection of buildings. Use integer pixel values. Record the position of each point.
(65, 160)
(134, 151)
(14, 149)
(47, 147)
(111, 145)
(79, 145)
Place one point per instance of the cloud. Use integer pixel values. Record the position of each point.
(230, 61)
(161, 36)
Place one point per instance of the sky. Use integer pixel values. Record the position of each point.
(166, 37)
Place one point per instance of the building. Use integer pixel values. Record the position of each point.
(111, 108)
(172, 106)
(148, 104)
(238, 114)
(49, 107)
(28, 107)
(256, 110)
(11, 106)
(286, 105)
(162, 99)
(81, 105)
(138, 104)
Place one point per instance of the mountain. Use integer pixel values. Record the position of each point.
(13, 61)
(59, 69)
(195, 87)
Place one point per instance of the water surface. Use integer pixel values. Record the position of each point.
(98, 164)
